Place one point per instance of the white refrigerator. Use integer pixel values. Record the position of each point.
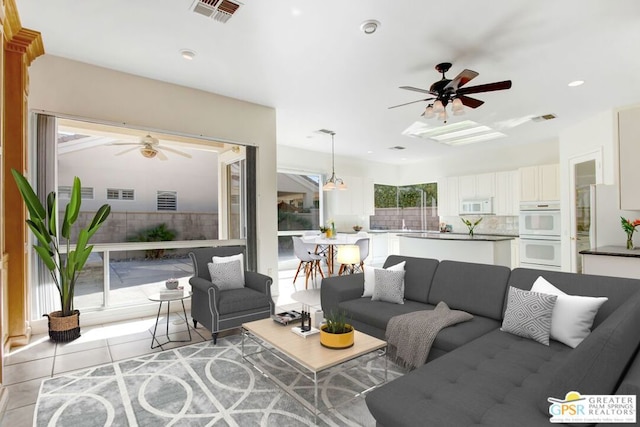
(605, 228)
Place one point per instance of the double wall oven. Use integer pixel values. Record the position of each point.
(540, 235)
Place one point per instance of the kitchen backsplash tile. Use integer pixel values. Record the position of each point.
(491, 224)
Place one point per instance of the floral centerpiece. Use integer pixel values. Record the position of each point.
(330, 229)
(629, 227)
(471, 225)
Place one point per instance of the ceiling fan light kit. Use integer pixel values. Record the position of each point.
(446, 91)
(150, 147)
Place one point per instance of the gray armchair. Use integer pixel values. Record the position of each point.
(218, 310)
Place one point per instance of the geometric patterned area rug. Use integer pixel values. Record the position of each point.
(205, 385)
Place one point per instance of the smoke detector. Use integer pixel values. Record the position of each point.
(369, 26)
(220, 10)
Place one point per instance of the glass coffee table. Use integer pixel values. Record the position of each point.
(307, 356)
(168, 296)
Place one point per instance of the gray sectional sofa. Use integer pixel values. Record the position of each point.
(478, 375)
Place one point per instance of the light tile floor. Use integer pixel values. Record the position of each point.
(25, 367)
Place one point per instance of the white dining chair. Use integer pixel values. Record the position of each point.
(309, 262)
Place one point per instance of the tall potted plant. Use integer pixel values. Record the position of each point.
(64, 266)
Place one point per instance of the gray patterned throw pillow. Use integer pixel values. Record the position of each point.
(528, 314)
(389, 286)
(226, 275)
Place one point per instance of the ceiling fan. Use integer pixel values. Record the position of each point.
(150, 148)
(445, 91)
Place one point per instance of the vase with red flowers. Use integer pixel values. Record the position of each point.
(629, 227)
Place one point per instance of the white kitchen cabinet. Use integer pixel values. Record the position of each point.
(629, 152)
(477, 186)
(540, 183)
(467, 187)
(357, 199)
(507, 197)
(515, 253)
(448, 197)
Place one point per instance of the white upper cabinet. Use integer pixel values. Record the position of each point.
(357, 199)
(540, 183)
(507, 199)
(477, 186)
(448, 199)
(629, 152)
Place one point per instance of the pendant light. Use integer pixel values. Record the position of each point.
(333, 182)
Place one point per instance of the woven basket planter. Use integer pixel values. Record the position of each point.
(64, 328)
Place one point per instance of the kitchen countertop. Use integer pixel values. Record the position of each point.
(620, 251)
(459, 236)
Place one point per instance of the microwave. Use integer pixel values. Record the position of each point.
(476, 206)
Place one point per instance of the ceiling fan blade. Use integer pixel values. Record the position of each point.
(180, 153)
(412, 102)
(123, 143)
(160, 155)
(461, 79)
(417, 89)
(470, 102)
(489, 87)
(126, 151)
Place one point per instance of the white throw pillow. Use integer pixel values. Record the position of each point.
(572, 316)
(231, 258)
(370, 277)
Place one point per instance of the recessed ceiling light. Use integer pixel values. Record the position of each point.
(369, 26)
(188, 54)
(369, 152)
(296, 12)
(576, 83)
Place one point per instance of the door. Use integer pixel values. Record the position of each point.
(585, 171)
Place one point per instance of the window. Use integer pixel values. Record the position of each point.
(167, 201)
(299, 207)
(409, 207)
(64, 192)
(119, 194)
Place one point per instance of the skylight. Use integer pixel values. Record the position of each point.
(460, 133)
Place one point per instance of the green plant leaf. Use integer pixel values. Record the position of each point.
(46, 255)
(43, 238)
(99, 218)
(32, 202)
(51, 212)
(76, 199)
(82, 257)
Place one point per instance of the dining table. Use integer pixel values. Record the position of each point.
(329, 246)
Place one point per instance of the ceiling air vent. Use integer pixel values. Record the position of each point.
(220, 10)
(544, 117)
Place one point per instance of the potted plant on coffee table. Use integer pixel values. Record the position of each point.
(64, 265)
(336, 333)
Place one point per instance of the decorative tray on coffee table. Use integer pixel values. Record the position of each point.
(286, 317)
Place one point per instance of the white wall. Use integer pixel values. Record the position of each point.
(80, 90)
(193, 179)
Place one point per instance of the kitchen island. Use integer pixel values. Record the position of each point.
(483, 249)
(616, 261)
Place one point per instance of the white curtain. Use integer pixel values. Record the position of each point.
(45, 296)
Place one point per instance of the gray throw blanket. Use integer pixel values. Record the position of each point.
(410, 336)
